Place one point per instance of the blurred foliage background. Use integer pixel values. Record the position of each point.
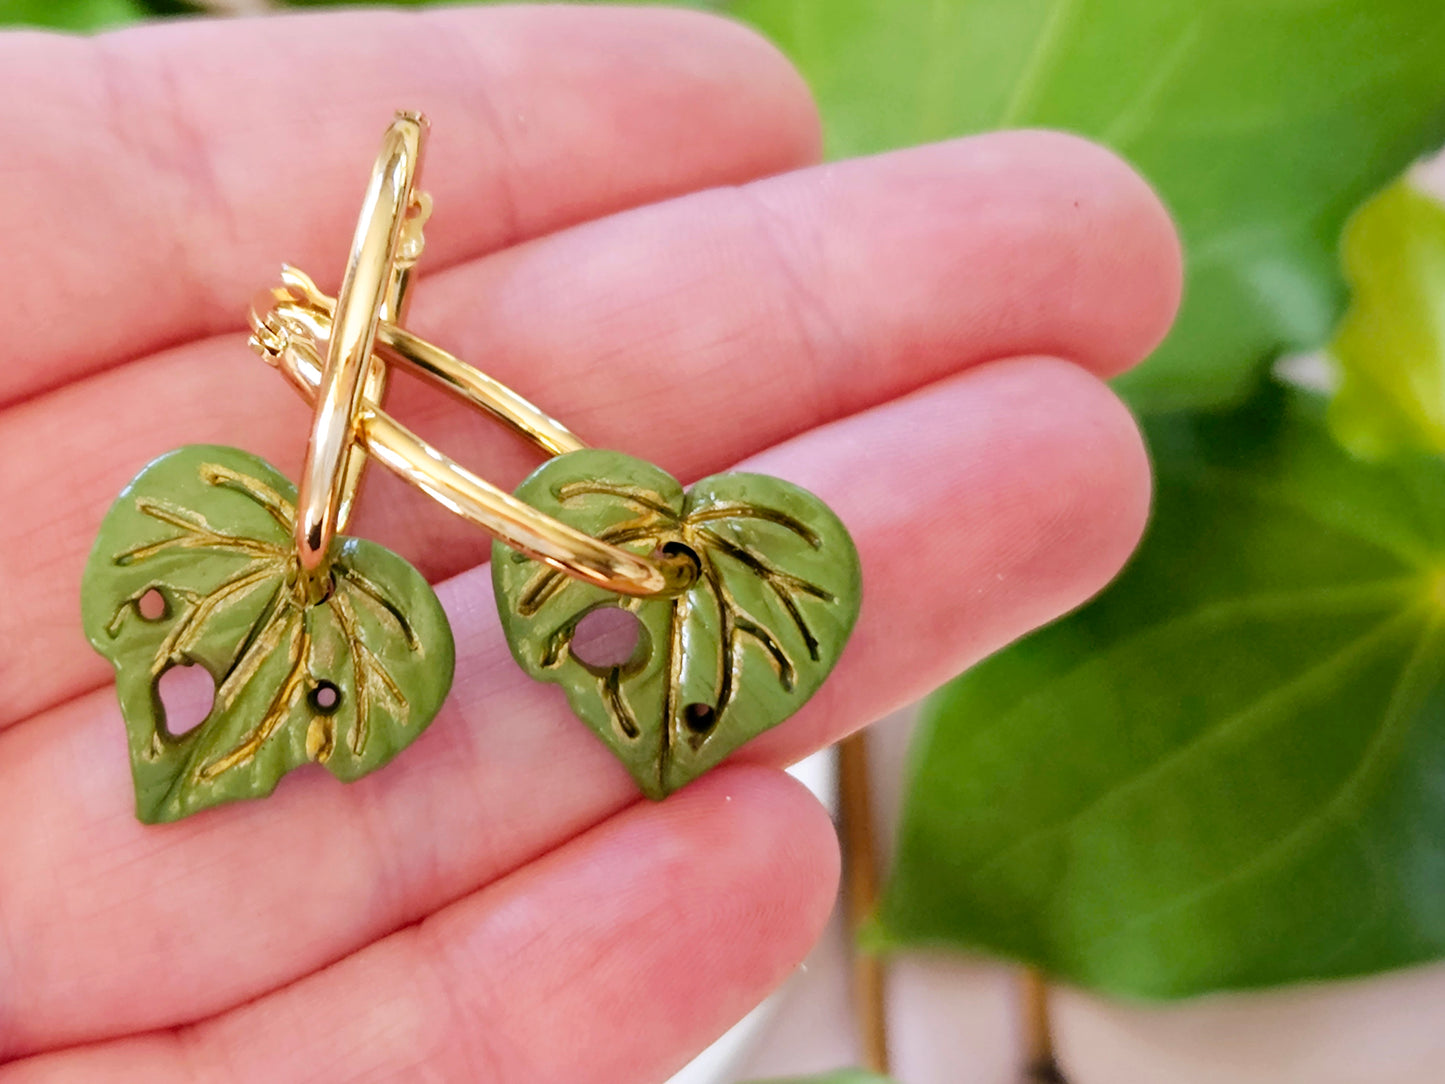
(1225, 772)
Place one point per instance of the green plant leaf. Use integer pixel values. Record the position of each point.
(1261, 122)
(195, 565)
(71, 14)
(1226, 771)
(738, 652)
(175, 7)
(1390, 348)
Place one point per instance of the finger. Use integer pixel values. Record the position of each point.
(610, 960)
(981, 507)
(169, 170)
(691, 334)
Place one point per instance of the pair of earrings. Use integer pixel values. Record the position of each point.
(334, 650)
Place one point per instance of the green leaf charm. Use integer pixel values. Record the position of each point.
(741, 650)
(194, 564)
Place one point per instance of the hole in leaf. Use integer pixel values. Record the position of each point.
(607, 637)
(186, 692)
(687, 553)
(699, 717)
(325, 698)
(152, 605)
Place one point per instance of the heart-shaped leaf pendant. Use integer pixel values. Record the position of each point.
(195, 565)
(742, 649)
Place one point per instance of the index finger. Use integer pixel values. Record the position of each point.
(165, 172)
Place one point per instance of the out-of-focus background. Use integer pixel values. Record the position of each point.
(1194, 833)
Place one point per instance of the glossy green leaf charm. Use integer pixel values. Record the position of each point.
(737, 653)
(194, 564)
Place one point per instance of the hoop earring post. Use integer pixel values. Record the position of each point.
(393, 312)
(374, 282)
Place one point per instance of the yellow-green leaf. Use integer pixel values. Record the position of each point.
(1390, 348)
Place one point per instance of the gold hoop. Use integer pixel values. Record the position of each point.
(362, 336)
(300, 309)
(473, 498)
(373, 287)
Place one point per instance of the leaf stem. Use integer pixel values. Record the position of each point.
(1041, 1065)
(861, 896)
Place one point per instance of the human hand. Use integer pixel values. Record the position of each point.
(610, 239)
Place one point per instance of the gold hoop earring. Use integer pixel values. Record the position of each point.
(324, 648)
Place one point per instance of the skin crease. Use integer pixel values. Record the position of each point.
(630, 229)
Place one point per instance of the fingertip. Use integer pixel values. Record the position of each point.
(715, 90)
(791, 830)
(1094, 504)
(771, 123)
(787, 114)
(1153, 251)
(1105, 227)
(998, 245)
(1111, 471)
(704, 902)
(1138, 237)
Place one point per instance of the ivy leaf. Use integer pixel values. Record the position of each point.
(1390, 348)
(741, 650)
(1261, 122)
(1225, 772)
(90, 15)
(194, 565)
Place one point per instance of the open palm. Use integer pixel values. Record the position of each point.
(631, 232)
